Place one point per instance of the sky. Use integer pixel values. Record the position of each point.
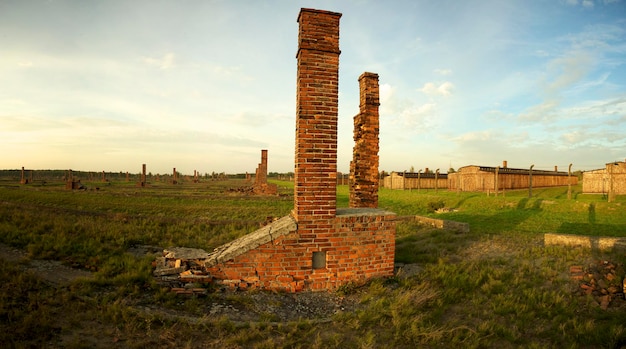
(206, 85)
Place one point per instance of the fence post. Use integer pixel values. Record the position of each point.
(611, 197)
(404, 180)
(530, 181)
(569, 182)
(496, 184)
(419, 180)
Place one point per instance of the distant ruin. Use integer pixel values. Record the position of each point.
(260, 185)
(142, 181)
(23, 179)
(174, 176)
(71, 182)
(317, 246)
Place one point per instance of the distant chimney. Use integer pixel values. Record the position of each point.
(556, 168)
(504, 164)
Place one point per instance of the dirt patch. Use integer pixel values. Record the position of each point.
(271, 308)
(53, 272)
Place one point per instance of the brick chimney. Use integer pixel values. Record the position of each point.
(317, 247)
(315, 174)
(364, 165)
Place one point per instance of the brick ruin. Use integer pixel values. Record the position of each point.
(23, 179)
(317, 246)
(71, 182)
(143, 181)
(260, 185)
(364, 164)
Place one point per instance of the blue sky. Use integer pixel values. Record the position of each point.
(206, 85)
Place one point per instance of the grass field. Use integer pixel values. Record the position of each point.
(497, 286)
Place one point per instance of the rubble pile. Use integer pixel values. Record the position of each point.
(181, 269)
(242, 190)
(603, 280)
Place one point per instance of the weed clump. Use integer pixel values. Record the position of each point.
(435, 205)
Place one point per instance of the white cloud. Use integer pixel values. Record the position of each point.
(385, 93)
(443, 71)
(540, 112)
(418, 115)
(587, 3)
(483, 135)
(165, 62)
(569, 70)
(405, 113)
(444, 89)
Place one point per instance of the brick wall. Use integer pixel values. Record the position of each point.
(364, 165)
(360, 246)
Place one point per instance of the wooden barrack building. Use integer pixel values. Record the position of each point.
(612, 178)
(416, 180)
(490, 179)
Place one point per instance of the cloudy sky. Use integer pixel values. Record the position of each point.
(206, 85)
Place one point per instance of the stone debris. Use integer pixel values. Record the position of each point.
(602, 280)
(181, 269)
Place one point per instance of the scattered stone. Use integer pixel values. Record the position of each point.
(600, 281)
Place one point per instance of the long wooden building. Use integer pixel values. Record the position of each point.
(608, 180)
(416, 180)
(495, 179)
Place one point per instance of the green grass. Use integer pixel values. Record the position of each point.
(496, 286)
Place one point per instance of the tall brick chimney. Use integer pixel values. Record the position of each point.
(315, 174)
(364, 165)
(317, 247)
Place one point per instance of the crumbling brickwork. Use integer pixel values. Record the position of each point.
(364, 165)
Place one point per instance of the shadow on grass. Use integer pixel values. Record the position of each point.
(463, 200)
(501, 219)
(593, 229)
(423, 244)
